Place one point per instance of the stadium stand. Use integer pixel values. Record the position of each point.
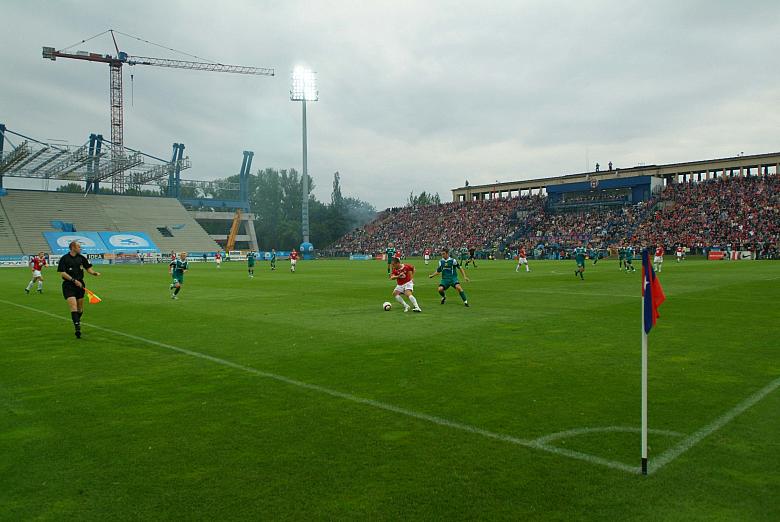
(165, 220)
(8, 241)
(483, 223)
(738, 212)
(30, 213)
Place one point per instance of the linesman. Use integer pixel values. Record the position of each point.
(71, 268)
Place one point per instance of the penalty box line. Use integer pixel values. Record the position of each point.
(440, 421)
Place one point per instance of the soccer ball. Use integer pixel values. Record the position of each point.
(386, 306)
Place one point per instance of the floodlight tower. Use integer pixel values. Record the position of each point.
(304, 88)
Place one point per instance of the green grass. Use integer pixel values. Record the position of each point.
(113, 427)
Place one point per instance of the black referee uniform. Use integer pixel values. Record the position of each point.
(74, 266)
(471, 258)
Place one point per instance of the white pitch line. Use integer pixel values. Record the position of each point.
(606, 429)
(684, 445)
(359, 400)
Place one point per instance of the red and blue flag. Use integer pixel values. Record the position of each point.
(652, 292)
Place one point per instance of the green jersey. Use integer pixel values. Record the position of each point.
(621, 253)
(629, 254)
(579, 255)
(448, 268)
(390, 253)
(250, 259)
(177, 269)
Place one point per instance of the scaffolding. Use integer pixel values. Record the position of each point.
(88, 163)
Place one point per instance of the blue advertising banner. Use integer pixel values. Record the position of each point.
(90, 242)
(117, 242)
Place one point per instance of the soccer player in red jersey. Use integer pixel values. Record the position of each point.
(36, 265)
(521, 260)
(680, 253)
(293, 259)
(658, 259)
(427, 255)
(403, 275)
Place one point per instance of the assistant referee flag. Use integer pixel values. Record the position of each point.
(652, 292)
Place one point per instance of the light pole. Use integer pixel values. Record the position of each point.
(304, 88)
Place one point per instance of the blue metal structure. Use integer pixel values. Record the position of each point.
(174, 178)
(226, 204)
(2, 142)
(95, 144)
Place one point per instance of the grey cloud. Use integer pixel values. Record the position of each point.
(414, 95)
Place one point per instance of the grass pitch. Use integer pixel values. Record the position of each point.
(294, 396)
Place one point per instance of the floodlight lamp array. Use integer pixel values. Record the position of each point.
(304, 85)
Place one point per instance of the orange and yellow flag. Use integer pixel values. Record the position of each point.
(93, 299)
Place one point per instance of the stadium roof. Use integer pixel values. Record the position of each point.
(33, 158)
(735, 163)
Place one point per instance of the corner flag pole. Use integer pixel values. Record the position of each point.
(644, 391)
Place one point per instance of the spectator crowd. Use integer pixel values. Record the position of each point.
(739, 213)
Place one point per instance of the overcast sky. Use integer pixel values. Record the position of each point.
(413, 95)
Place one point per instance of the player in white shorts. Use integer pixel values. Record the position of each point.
(218, 259)
(293, 259)
(522, 260)
(403, 275)
(36, 265)
(679, 253)
(427, 256)
(658, 259)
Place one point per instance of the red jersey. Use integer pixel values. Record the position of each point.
(679, 250)
(294, 255)
(521, 253)
(426, 252)
(659, 252)
(38, 263)
(404, 273)
(217, 256)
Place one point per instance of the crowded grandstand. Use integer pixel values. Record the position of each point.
(739, 213)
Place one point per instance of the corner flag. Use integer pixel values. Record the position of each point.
(92, 298)
(651, 291)
(652, 297)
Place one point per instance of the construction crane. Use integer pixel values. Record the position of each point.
(115, 64)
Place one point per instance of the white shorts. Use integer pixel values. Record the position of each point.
(427, 257)
(293, 261)
(658, 259)
(403, 288)
(36, 273)
(522, 261)
(219, 261)
(679, 254)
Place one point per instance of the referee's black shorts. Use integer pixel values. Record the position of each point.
(71, 290)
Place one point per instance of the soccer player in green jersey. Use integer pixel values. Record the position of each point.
(579, 258)
(273, 259)
(177, 269)
(448, 268)
(621, 257)
(250, 264)
(390, 253)
(464, 255)
(594, 254)
(628, 261)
